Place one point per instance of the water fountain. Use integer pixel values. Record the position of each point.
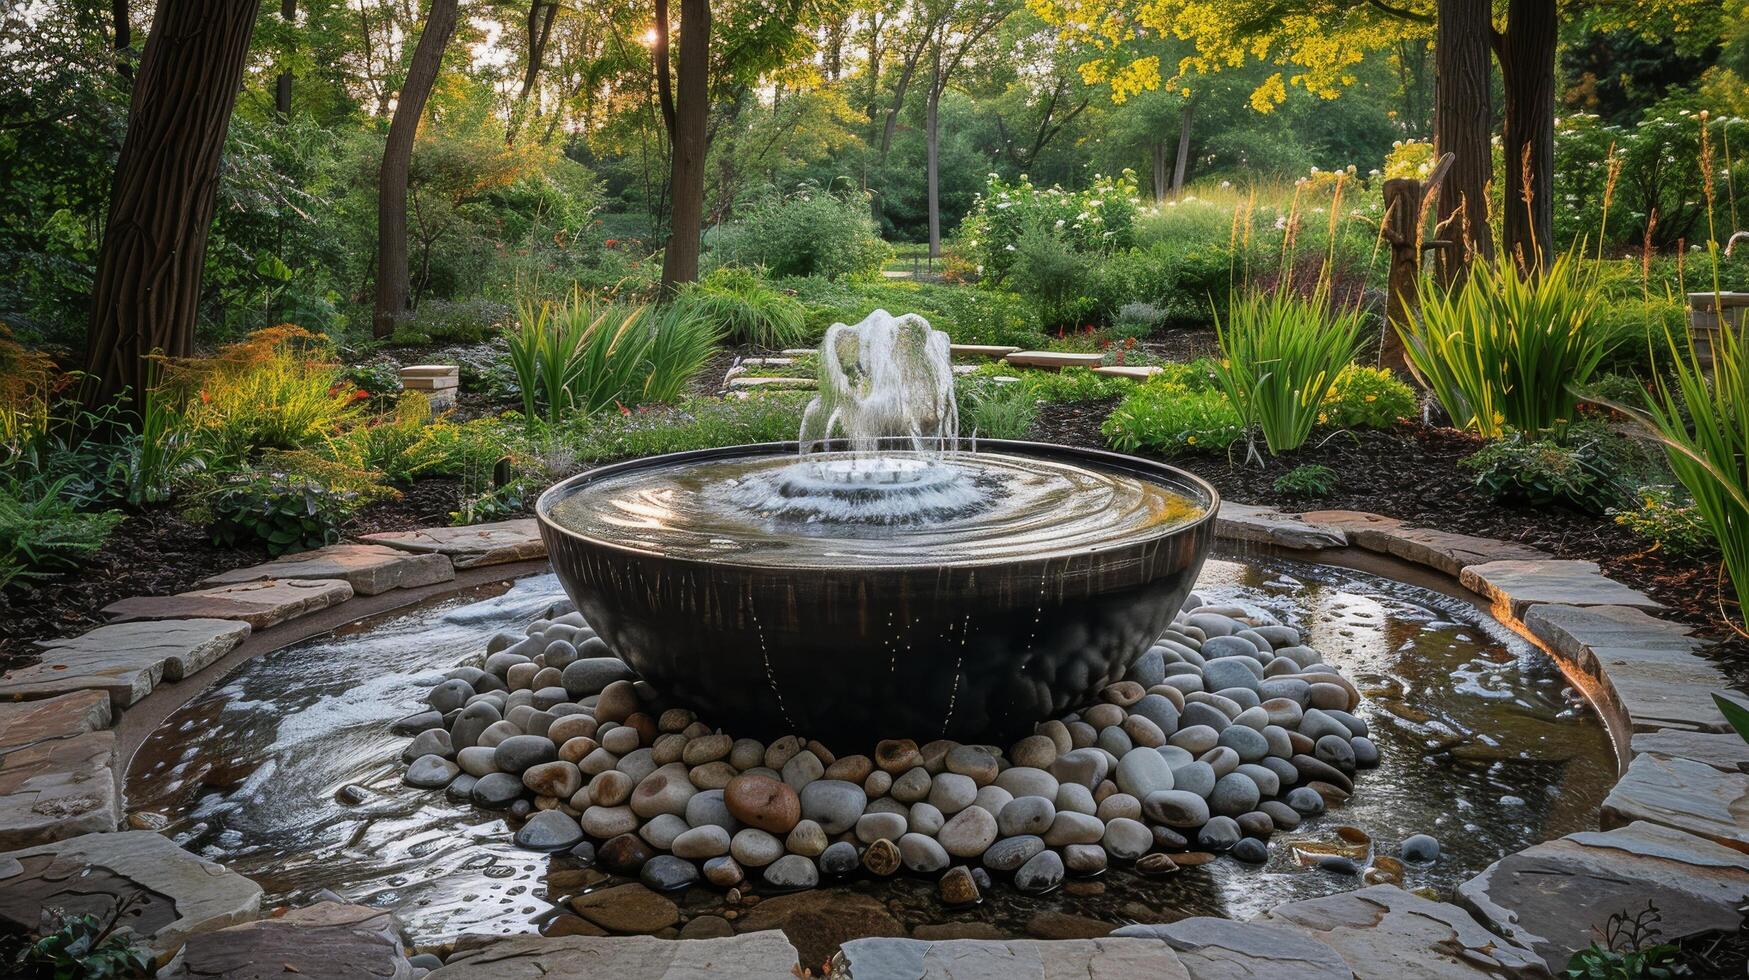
(880, 577)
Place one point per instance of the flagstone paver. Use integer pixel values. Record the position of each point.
(750, 955)
(1265, 525)
(1221, 949)
(325, 941)
(1721, 751)
(1443, 551)
(1552, 896)
(1570, 630)
(125, 660)
(1685, 795)
(473, 545)
(56, 788)
(69, 715)
(1518, 584)
(1386, 933)
(993, 959)
(369, 568)
(261, 604)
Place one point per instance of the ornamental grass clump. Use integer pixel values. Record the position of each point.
(1508, 349)
(1280, 354)
(580, 356)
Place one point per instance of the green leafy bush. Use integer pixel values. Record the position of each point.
(42, 534)
(1628, 950)
(1640, 326)
(1367, 398)
(811, 232)
(278, 388)
(690, 424)
(747, 309)
(439, 321)
(1508, 350)
(1094, 221)
(1281, 354)
(81, 947)
(1049, 271)
(578, 356)
(1166, 417)
(1138, 319)
(968, 315)
(1004, 411)
(404, 444)
(288, 502)
(1307, 480)
(1673, 524)
(1589, 468)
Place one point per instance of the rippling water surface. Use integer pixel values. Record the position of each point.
(286, 771)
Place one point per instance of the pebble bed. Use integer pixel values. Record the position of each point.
(1224, 731)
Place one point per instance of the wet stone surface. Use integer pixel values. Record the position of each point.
(1493, 756)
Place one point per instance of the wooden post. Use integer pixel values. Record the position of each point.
(1405, 214)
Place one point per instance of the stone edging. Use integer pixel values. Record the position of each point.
(1672, 834)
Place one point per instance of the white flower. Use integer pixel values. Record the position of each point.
(1281, 223)
(1005, 205)
(1226, 184)
(1008, 248)
(1060, 222)
(980, 270)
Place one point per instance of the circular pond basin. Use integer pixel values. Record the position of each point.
(287, 772)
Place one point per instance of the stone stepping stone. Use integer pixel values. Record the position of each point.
(94, 873)
(1518, 584)
(1221, 949)
(369, 568)
(472, 546)
(1726, 752)
(1688, 796)
(1053, 360)
(57, 788)
(994, 959)
(753, 954)
(818, 922)
(768, 361)
(1665, 688)
(1572, 630)
(751, 381)
(268, 602)
(1551, 897)
(994, 352)
(66, 716)
(1443, 550)
(627, 908)
(1137, 372)
(1386, 933)
(327, 941)
(124, 660)
(431, 377)
(1264, 525)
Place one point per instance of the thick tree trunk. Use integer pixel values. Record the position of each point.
(932, 139)
(282, 86)
(690, 140)
(147, 287)
(1181, 163)
(1527, 71)
(391, 295)
(1462, 125)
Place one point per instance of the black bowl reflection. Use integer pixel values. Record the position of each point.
(973, 651)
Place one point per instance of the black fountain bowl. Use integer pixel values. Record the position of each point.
(976, 652)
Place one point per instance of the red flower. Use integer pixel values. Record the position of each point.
(205, 397)
(611, 242)
(622, 409)
(360, 395)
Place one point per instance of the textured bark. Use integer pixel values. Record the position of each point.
(392, 285)
(282, 86)
(932, 139)
(1462, 125)
(690, 140)
(124, 41)
(1527, 71)
(1181, 163)
(1158, 151)
(541, 15)
(147, 286)
(1403, 197)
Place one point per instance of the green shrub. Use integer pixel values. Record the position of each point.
(1281, 353)
(1640, 325)
(811, 232)
(747, 309)
(278, 388)
(1589, 468)
(1672, 524)
(1167, 417)
(1003, 411)
(404, 444)
(1508, 350)
(578, 356)
(1307, 480)
(1138, 319)
(42, 534)
(1094, 221)
(968, 315)
(289, 502)
(1185, 280)
(1050, 272)
(440, 321)
(701, 423)
(1367, 398)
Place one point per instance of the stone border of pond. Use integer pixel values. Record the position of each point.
(1674, 828)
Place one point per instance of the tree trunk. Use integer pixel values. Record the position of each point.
(1182, 161)
(391, 298)
(541, 14)
(1527, 70)
(690, 140)
(1157, 151)
(147, 287)
(282, 86)
(1463, 122)
(932, 139)
(123, 42)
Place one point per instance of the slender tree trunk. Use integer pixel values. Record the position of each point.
(1463, 121)
(147, 287)
(1157, 151)
(541, 14)
(123, 41)
(690, 141)
(282, 86)
(391, 294)
(932, 138)
(1182, 162)
(1527, 69)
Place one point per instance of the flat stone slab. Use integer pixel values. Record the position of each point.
(94, 873)
(1386, 933)
(472, 546)
(1053, 360)
(1137, 372)
(1550, 897)
(1264, 525)
(755, 954)
(57, 788)
(1445, 551)
(327, 941)
(1727, 752)
(261, 604)
(756, 381)
(63, 717)
(1571, 630)
(1518, 584)
(1221, 949)
(369, 568)
(1689, 796)
(124, 660)
(1665, 688)
(989, 959)
(993, 351)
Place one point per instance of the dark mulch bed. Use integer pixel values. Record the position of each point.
(159, 553)
(1411, 473)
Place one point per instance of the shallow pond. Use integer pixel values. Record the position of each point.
(286, 772)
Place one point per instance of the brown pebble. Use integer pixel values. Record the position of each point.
(1353, 835)
(645, 726)
(1156, 864)
(1191, 859)
(762, 802)
(958, 887)
(881, 858)
(897, 755)
(1123, 693)
(850, 768)
(1330, 793)
(821, 752)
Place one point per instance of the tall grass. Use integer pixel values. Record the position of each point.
(579, 356)
(1280, 354)
(747, 310)
(1507, 350)
(278, 388)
